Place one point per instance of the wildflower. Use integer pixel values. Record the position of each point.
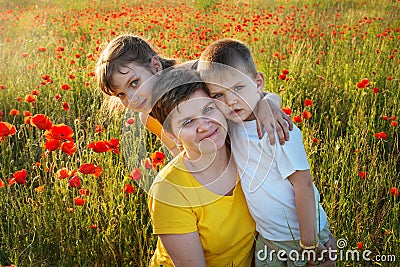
(64, 173)
(75, 181)
(52, 144)
(84, 192)
(113, 145)
(375, 90)
(30, 99)
(392, 118)
(315, 140)
(130, 121)
(42, 122)
(65, 106)
(99, 146)
(306, 115)
(129, 189)
(2, 184)
(385, 118)
(297, 119)
(57, 97)
(89, 168)
(146, 163)
(71, 210)
(26, 113)
(287, 110)
(157, 158)
(394, 191)
(65, 87)
(394, 123)
(99, 128)
(79, 201)
(362, 175)
(135, 174)
(93, 226)
(359, 245)
(35, 92)
(20, 176)
(68, 147)
(42, 49)
(364, 83)
(59, 132)
(39, 189)
(381, 135)
(14, 112)
(308, 102)
(6, 129)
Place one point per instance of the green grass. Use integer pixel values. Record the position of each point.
(327, 47)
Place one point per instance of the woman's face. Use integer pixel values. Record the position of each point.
(198, 125)
(133, 85)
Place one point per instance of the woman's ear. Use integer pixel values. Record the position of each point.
(155, 65)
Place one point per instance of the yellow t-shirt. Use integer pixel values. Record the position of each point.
(179, 204)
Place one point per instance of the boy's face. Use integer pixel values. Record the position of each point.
(198, 125)
(235, 93)
(133, 85)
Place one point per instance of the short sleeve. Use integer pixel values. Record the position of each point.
(169, 213)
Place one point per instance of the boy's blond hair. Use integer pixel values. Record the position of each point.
(226, 52)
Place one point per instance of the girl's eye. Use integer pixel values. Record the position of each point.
(134, 83)
(120, 95)
(216, 95)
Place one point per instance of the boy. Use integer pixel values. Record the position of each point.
(276, 180)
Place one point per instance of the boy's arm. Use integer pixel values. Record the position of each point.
(155, 127)
(305, 206)
(184, 249)
(271, 118)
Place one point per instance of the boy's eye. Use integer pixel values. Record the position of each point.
(239, 87)
(208, 109)
(134, 83)
(216, 95)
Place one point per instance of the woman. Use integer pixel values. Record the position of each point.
(196, 203)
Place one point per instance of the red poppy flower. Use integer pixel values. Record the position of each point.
(79, 201)
(57, 97)
(14, 112)
(307, 115)
(59, 132)
(65, 106)
(99, 129)
(375, 90)
(129, 189)
(157, 158)
(394, 191)
(297, 119)
(74, 181)
(26, 113)
(68, 147)
(287, 110)
(6, 129)
(359, 245)
(93, 226)
(113, 145)
(130, 121)
(35, 92)
(64, 173)
(42, 49)
(89, 168)
(2, 184)
(364, 83)
(146, 163)
(20, 176)
(99, 146)
(394, 123)
(65, 87)
(381, 135)
(392, 118)
(52, 144)
(84, 192)
(385, 118)
(135, 174)
(315, 140)
(30, 99)
(308, 102)
(363, 175)
(42, 122)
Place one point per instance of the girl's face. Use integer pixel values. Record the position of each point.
(198, 125)
(133, 85)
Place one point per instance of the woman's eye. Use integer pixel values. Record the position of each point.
(134, 83)
(187, 122)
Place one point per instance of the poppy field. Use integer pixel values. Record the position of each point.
(69, 182)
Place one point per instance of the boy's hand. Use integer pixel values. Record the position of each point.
(272, 118)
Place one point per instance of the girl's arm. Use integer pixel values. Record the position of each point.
(271, 118)
(184, 249)
(305, 206)
(155, 127)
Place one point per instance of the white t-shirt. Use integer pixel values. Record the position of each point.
(264, 170)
